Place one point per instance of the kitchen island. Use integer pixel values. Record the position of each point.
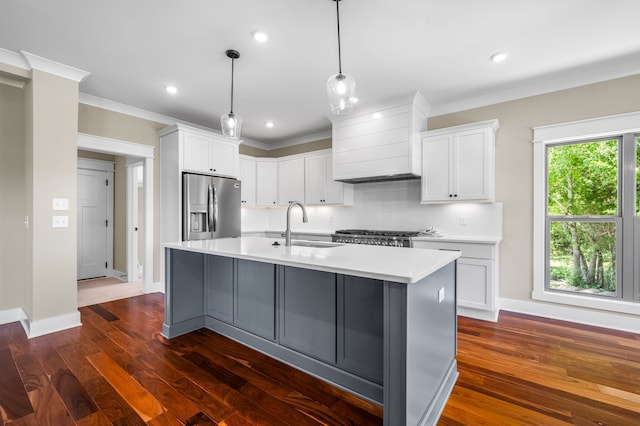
(378, 321)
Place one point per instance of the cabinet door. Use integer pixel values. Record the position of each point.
(266, 183)
(437, 159)
(474, 281)
(255, 298)
(361, 326)
(223, 158)
(248, 178)
(290, 181)
(472, 167)
(197, 153)
(219, 287)
(333, 190)
(314, 180)
(308, 312)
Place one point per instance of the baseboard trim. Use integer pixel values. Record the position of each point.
(50, 325)
(622, 322)
(11, 315)
(156, 287)
(491, 315)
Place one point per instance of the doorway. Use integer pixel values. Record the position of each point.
(141, 155)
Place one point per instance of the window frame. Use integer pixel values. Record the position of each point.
(610, 127)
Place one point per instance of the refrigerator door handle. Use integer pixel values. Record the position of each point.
(210, 220)
(186, 215)
(215, 209)
(212, 209)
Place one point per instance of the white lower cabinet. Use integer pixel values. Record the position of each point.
(476, 277)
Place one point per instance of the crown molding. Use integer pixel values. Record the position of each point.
(299, 140)
(121, 108)
(566, 81)
(36, 62)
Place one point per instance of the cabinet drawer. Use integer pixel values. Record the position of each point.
(478, 251)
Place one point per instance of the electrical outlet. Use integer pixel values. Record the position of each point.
(60, 204)
(60, 221)
(441, 295)
(463, 220)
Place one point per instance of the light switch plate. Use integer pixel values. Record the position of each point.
(441, 295)
(60, 221)
(60, 204)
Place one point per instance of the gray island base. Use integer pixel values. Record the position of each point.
(377, 321)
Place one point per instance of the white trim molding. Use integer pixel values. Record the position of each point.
(578, 315)
(11, 315)
(56, 68)
(50, 325)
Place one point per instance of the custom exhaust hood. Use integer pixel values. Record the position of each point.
(380, 144)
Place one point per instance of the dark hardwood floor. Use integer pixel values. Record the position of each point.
(117, 369)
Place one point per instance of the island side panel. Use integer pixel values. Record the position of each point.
(420, 348)
(184, 292)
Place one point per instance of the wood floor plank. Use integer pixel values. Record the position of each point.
(14, 400)
(267, 392)
(145, 404)
(111, 404)
(75, 397)
(213, 407)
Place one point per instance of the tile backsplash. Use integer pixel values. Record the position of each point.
(385, 205)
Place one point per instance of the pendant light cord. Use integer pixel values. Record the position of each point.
(232, 62)
(339, 50)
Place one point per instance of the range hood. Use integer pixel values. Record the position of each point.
(385, 178)
(381, 143)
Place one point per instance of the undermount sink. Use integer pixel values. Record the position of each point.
(317, 244)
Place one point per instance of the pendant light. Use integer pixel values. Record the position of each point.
(340, 87)
(231, 123)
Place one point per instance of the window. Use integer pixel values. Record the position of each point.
(586, 213)
(583, 217)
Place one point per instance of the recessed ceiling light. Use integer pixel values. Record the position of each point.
(259, 36)
(269, 124)
(171, 89)
(499, 56)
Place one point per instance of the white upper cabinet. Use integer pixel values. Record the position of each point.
(209, 153)
(290, 181)
(320, 188)
(458, 163)
(380, 144)
(266, 182)
(248, 178)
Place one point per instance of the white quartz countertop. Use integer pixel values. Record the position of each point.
(404, 265)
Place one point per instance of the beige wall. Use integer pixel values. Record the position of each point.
(514, 160)
(12, 187)
(50, 267)
(100, 122)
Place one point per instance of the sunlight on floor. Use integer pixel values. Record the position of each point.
(98, 290)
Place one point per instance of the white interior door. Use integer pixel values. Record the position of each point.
(92, 223)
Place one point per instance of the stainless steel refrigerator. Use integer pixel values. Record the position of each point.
(210, 207)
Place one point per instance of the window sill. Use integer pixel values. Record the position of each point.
(613, 305)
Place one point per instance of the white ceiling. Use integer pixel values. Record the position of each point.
(392, 48)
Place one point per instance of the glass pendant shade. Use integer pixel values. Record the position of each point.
(341, 90)
(231, 125)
